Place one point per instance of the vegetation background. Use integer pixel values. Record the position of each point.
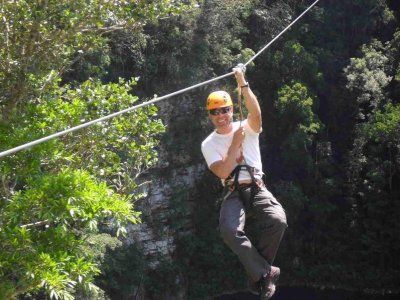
(329, 91)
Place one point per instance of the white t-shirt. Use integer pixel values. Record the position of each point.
(216, 145)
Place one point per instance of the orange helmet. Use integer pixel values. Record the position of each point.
(218, 99)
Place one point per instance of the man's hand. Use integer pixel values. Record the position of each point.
(239, 74)
(224, 167)
(241, 67)
(238, 138)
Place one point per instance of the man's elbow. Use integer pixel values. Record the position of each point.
(220, 172)
(257, 117)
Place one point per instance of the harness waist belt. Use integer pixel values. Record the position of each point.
(243, 183)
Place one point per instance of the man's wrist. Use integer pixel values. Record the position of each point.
(245, 85)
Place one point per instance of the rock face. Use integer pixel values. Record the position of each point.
(154, 234)
(179, 167)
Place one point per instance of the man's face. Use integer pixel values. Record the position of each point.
(221, 118)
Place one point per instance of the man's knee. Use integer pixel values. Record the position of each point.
(282, 223)
(277, 222)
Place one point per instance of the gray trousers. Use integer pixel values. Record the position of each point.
(270, 216)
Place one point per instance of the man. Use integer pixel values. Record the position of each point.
(232, 153)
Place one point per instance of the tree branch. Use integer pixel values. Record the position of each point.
(36, 224)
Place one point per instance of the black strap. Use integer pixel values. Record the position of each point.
(235, 175)
(254, 186)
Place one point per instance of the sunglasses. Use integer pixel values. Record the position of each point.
(219, 111)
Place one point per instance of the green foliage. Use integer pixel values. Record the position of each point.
(52, 190)
(202, 254)
(368, 76)
(384, 126)
(224, 24)
(43, 226)
(126, 271)
(163, 280)
(296, 204)
(375, 180)
(295, 105)
(293, 199)
(373, 170)
(40, 36)
(206, 257)
(123, 271)
(69, 197)
(294, 62)
(298, 125)
(117, 150)
(43, 192)
(380, 173)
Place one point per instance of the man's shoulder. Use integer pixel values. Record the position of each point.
(208, 139)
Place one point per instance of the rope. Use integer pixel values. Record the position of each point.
(239, 95)
(83, 125)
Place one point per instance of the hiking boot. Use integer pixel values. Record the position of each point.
(268, 282)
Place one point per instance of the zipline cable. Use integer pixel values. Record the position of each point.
(83, 125)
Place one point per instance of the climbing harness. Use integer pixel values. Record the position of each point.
(232, 181)
(231, 184)
(83, 125)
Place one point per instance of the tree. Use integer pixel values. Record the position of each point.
(375, 180)
(41, 39)
(368, 76)
(298, 127)
(47, 253)
(55, 195)
(373, 162)
(49, 205)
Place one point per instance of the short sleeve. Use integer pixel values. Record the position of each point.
(210, 154)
